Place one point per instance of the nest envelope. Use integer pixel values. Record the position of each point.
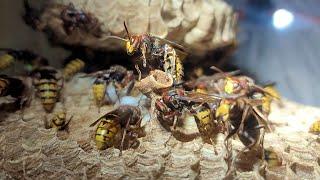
(199, 25)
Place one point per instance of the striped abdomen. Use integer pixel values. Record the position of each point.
(315, 127)
(172, 64)
(203, 119)
(106, 133)
(59, 120)
(272, 158)
(48, 92)
(6, 60)
(72, 68)
(99, 92)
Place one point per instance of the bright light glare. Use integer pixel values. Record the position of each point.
(282, 18)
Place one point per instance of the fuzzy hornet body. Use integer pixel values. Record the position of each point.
(48, 92)
(79, 19)
(48, 86)
(99, 90)
(176, 102)
(26, 56)
(315, 127)
(208, 128)
(59, 121)
(172, 63)
(72, 68)
(118, 75)
(121, 125)
(155, 53)
(106, 133)
(6, 61)
(170, 108)
(16, 88)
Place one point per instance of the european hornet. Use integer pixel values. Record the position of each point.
(169, 108)
(243, 118)
(209, 84)
(26, 56)
(120, 125)
(266, 98)
(72, 68)
(14, 87)
(31, 16)
(272, 158)
(215, 113)
(155, 53)
(175, 102)
(73, 18)
(237, 86)
(48, 83)
(315, 127)
(119, 76)
(58, 121)
(207, 124)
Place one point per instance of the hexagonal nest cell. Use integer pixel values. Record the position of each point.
(157, 112)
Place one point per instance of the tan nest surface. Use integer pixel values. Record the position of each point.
(200, 25)
(28, 150)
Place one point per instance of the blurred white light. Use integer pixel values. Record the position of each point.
(282, 18)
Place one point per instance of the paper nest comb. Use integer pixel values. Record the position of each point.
(199, 25)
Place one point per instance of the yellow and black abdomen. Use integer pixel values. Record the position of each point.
(179, 70)
(172, 64)
(272, 158)
(59, 120)
(99, 92)
(204, 120)
(48, 92)
(6, 60)
(72, 68)
(106, 133)
(315, 127)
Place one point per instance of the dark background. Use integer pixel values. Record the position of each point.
(289, 57)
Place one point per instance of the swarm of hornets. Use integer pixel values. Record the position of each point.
(225, 102)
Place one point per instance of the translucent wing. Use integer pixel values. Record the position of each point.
(95, 122)
(200, 97)
(110, 114)
(177, 46)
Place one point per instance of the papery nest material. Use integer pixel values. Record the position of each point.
(155, 81)
(202, 25)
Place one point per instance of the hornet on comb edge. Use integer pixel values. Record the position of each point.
(119, 128)
(48, 83)
(155, 53)
(121, 78)
(25, 56)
